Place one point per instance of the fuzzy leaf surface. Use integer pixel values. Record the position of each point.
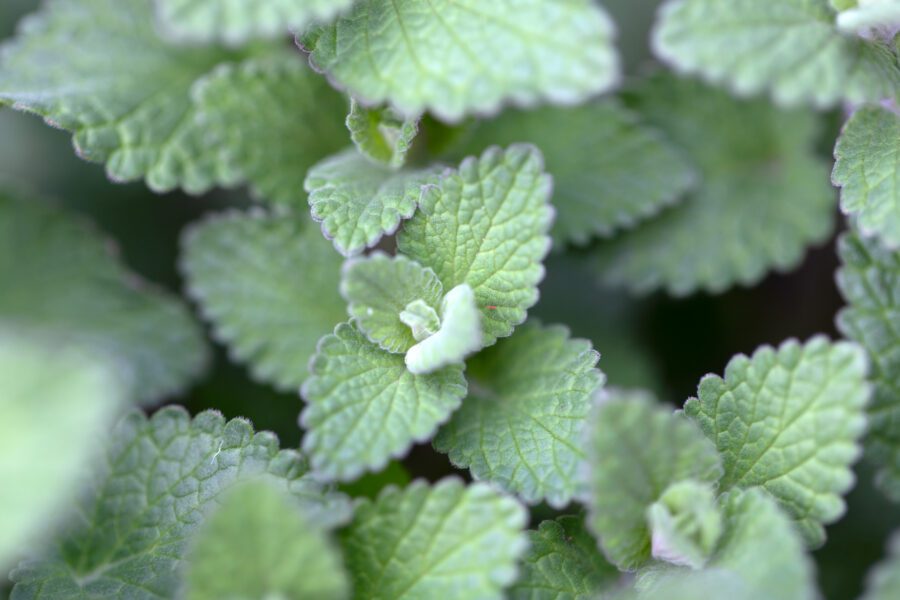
(458, 337)
(380, 134)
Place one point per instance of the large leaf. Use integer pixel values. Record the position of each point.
(522, 425)
(454, 57)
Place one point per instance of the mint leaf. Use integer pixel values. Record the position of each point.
(868, 169)
(636, 450)
(364, 407)
(380, 134)
(160, 476)
(522, 425)
(870, 18)
(789, 421)
(562, 563)
(685, 524)
(124, 93)
(486, 226)
(56, 402)
(869, 280)
(235, 22)
(442, 541)
(59, 278)
(269, 285)
(883, 582)
(463, 56)
(358, 201)
(253, 546)
(763, 198)
(791, 48)
(610, 172)
(458, 337)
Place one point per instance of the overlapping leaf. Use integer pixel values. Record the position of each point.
(685, 524)
(381, 134)
(458, 336)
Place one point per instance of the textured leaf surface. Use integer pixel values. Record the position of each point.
(56, 402)
(883, 582)
(486, 225)
(522, 425)
(446, 541)
(239, 21)
(124, 93)
(269, 285)
(259, 544)
(763, 199)
(454, 57)
(610, 172)
(59, 278)
(868, 170)
(789, 421)
(870, 282)
(458, 337)
(562, 563)
(358, 201)
(381, 134)
(791, 48)
(635, 451)
(364, 407)
(161, 475)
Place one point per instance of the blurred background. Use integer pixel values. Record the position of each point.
(654, 342)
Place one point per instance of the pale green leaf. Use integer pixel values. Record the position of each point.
(445, 541)
(869, 280)
(685, 524)
(523, 423)
(562, 563)
(56, 403)
(883, 582)
(364, 407)
(269, 285)
(455, 57)
(764, 195)
(636, 450)
(486, 225)
(610, 172)
(870, 18)
(789, 420)
(259, 544)
(791, 48)
(458, 336)
(236, 22)
(358, 201)
(380, 288)
(381, 134)
(59, 277)
(868, 170)
(161, 475)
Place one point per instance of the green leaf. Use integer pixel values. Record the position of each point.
(270, 118)
(236, 22)
(161, 475)
(124, 93)
(610, 172)
(60, 278)
(458, 337)
(789, 421)
(443, 541)
(455, 57)
(269, 285)
(685, 524)
(380, 134)
(636, 450)
(562, 563)
(379, 288)
(486, 226)
(763, 199)
(56, 402)
(869, 280)
(790, 48)
(870, 18)
(364, 407)
(883, 582)
(521, 428)
(358, 201)
(868, 170)
(259, 544)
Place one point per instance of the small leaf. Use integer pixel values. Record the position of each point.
(251, 546)
(870, 18)
(380, 134)
(636, 450)
(789, 421)
(458, 337)
(445, 541)
(269, 285)
(364, 407)
(685, 524)
(486, 225)
(883, 582)
(522, 425)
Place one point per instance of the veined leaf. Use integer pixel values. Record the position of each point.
(883, 582)
(380, 134)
